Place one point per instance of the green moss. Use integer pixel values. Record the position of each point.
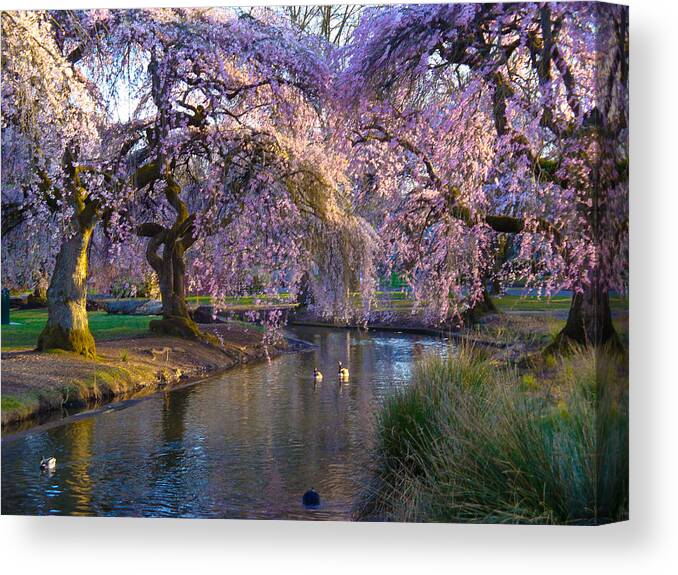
(19, 406)
(79, 341)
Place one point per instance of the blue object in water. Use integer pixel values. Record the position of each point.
(311, 499)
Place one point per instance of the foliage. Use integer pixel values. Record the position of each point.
(471, 120)
(146, 287)
(226, 146)
(230, 146)
(47, 106)
(259, 147)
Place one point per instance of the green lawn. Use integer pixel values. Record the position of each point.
(531, 303)
(108, 326)
(398, 302)
(240, 300)
(102, 324)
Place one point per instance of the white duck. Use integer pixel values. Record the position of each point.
(48, 464)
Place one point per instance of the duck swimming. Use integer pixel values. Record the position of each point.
(317, 374)
(311, 499)
(343, 372)
(48, 464)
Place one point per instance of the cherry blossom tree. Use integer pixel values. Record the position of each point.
(51, 121)
(473, 120)
(455, 124)
(230, 154)
(227, 148)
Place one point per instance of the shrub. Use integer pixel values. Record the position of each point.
(468, 442)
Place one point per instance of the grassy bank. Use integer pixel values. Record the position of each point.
(130, 362)
(79, 383)
(469, 442)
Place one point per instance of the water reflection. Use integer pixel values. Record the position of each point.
(247, 444)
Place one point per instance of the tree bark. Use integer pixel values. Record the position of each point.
(67, 325)
(482, 307)
(41, 286)
(170, 267)
(38, 298)
(171, 271)
(589, 323)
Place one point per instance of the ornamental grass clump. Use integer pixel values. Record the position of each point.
(468, 442)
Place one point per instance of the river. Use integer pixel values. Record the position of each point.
(245, 444)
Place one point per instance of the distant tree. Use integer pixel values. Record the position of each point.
(334, 23)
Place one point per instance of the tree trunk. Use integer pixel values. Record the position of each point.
(171, 272)
(482, 307)
(170, 267)
(589, 322)
(67, 326)
(38, 298)
(41, 286)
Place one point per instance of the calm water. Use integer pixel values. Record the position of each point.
(244, 445)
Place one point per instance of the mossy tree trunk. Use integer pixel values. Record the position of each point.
(165, 253)
(482, 307)
(171, 271)
(67, 324)
(39, 294)
(589, 322)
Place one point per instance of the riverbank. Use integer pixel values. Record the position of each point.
(37, 383)
(514, 334)
(508, 337)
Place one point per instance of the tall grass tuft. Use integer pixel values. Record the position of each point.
(468, 442)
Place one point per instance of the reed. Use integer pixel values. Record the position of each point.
(470, 442)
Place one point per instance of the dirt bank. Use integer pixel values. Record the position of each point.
(34, 383)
